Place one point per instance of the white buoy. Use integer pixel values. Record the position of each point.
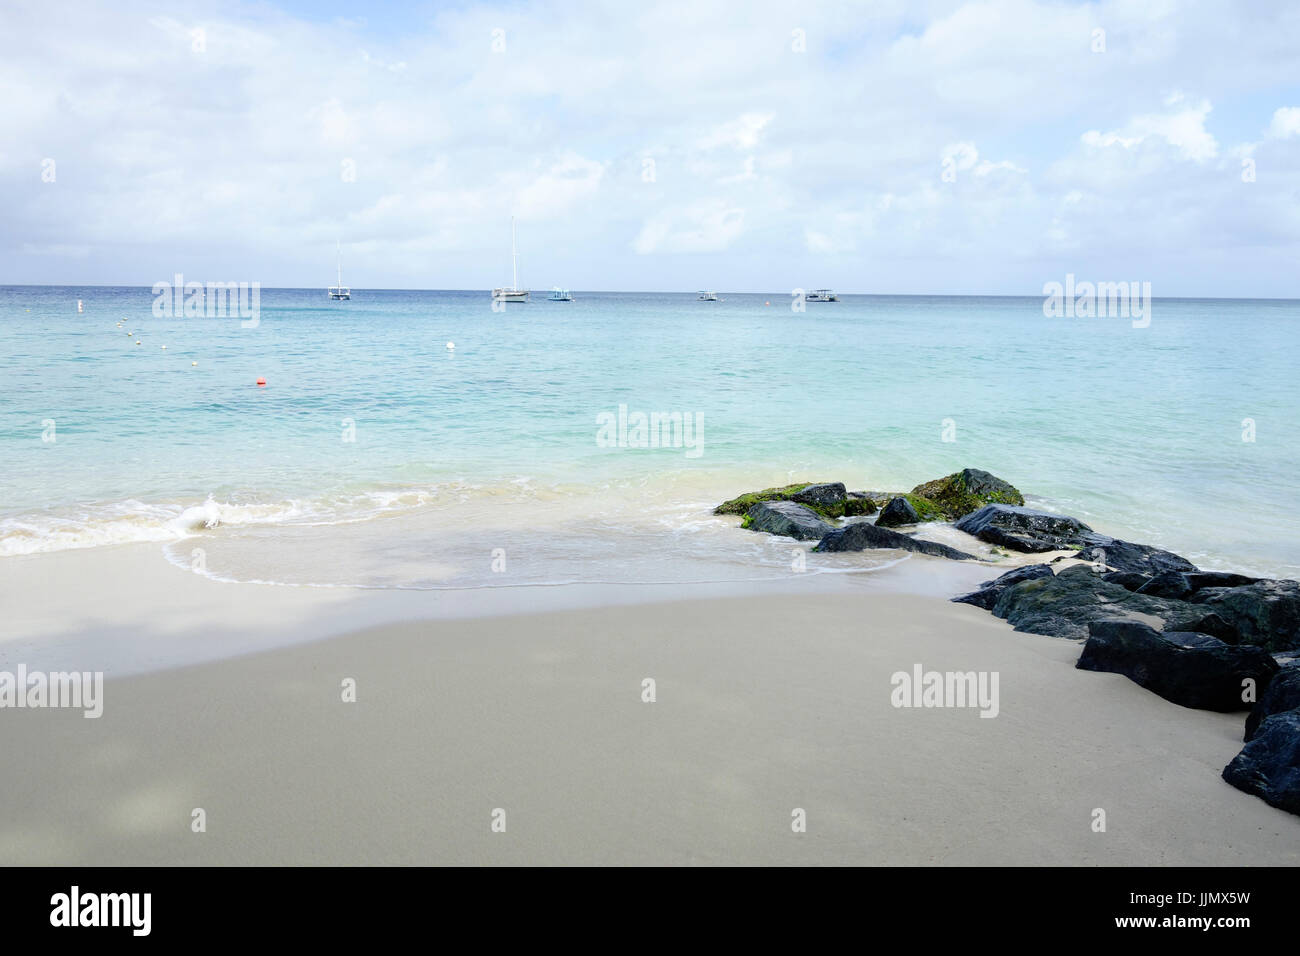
(164, 346)
(451, 346)
(193, 364)
(137, 341)
(79, 308)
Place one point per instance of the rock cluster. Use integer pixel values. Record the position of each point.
(1212, 640)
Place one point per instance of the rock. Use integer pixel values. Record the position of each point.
(898, 511)
(1167, 584)
(1128, 580)
(1266, 613)
(742, 504)
(825, 495)
(787, 518)
(1269, 766)
(862, 536)
(858, 503)
(827, 498)
(968, 490)
(1023, 529)
(1183, 584)
(1194, 670)
(1190, 620)
(1281, 694)
(1066, 603)
(990, 591)
(1220, 579)
(1127, 556)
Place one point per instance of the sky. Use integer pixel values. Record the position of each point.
(982, 147)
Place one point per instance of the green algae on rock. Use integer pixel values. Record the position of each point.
(965, 491)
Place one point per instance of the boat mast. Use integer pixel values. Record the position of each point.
(514, 257)
(340, 250)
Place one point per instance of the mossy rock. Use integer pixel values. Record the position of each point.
(926, 509)
(741, 505)
(966, 491)
(854, 507)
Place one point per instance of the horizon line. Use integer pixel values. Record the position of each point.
(880, 295)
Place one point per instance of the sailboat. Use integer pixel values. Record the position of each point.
(514, 293)
(340, 291)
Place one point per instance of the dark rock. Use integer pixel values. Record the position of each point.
(1194, 670)
(825, 495)
(1065, 604)
(898, 511)
(1128, 580)
(1168, 584)
(990, 591)
(1269, 766)
(1023, 529)
(1183, 584)
(1192, 620)
(1220, 579)
(1266, 613)
(1281, 694)
(1127, 556)
(966, 491)
(787, 518)
(863, 536)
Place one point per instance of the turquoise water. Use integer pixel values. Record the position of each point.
(1138, 431)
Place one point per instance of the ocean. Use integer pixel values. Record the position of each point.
(376, 456)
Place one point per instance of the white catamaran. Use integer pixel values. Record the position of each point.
(340, 291)
(514, 293)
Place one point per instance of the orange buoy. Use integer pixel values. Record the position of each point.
(261, 382)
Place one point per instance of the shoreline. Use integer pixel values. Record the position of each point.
(135, 611)
(764, 704)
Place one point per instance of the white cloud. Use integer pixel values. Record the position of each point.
(1183, 128)
(819, 243)
(570, 179)
(746, 174)
(740, 133)
(1286, 123)
(707, 227)
(987, 168)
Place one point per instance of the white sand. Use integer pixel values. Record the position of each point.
(764, 704)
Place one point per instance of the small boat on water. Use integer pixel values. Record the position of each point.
(707, 296)
(561, 295)
(514, 293)
(822, 295)
(340, 291)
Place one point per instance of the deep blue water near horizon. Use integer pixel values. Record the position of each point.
(1138, 431)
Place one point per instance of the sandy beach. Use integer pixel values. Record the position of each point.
(764, 704)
